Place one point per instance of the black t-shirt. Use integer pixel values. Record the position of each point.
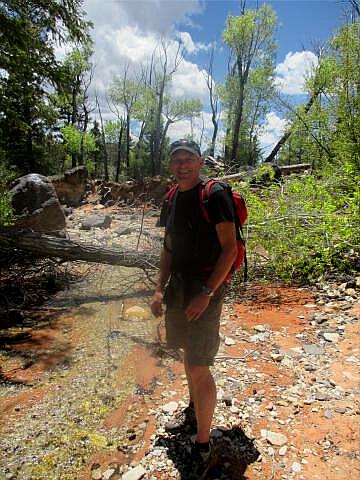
(195, 245)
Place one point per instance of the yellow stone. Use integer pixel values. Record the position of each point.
(136, 313)
(282, 403)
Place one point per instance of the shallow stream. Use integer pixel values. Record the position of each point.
(53, 435)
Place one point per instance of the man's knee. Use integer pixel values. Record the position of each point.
(197, 372)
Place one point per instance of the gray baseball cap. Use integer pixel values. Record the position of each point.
(184, 144)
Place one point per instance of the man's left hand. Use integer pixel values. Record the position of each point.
(197, 306)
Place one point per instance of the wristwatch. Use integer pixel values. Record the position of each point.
(207, 291)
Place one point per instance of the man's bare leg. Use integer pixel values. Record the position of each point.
(188, 377)
(204, 392)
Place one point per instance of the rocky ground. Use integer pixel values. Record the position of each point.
(90, 405)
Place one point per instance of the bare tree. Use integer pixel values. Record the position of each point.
(214, 100)
(160, 79)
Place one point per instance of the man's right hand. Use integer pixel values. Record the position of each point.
(157, 304)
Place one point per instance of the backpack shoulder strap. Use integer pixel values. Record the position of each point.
(169, 199)
(204, 194)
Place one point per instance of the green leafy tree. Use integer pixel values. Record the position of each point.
(75, 142)
(71, 101)
(29, 33)
(250, 38)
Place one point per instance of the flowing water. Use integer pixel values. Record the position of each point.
(54, 436)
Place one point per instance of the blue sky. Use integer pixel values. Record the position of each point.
(126, 33)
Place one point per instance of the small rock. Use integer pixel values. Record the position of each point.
(170, 407)
(108, 474)
(274, 438)
(96, 474)
(134, 474)
(341, 410)
(296, 467)
(321, 397)
(229, 341)
(260, 328)
(312, 349)
(136, 313)
(351, 292)
(96, 221)
(331, 337)
(283, 450)
(327, 414)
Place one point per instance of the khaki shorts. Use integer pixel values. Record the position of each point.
(199, 338)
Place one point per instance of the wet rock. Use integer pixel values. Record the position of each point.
(108, 473)
(96, 474)
(134, 474)
(136, 313)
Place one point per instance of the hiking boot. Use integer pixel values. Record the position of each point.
(200, 463)
(184, 421)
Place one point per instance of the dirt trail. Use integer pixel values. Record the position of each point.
(86, 392)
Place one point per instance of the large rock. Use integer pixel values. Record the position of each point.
(96, 221)
(36, 205)
(71, 187)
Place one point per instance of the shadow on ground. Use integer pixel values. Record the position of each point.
(232, 452)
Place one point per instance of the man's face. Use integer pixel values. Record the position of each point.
(185, 166)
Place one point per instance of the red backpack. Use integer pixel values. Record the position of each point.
(240, 217)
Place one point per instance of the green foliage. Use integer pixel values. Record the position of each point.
(249, 86)
(76, 142)
(29, 33)
(308, 228)
(6, 175)
(327, 130)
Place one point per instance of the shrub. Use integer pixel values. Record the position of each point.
(6, 213)
(306, 229)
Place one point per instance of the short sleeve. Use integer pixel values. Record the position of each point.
(220, 206)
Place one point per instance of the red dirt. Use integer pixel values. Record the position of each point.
(285, 311)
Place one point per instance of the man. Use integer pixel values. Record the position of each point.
(196, 256)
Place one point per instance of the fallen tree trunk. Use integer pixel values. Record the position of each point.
(43, 245)
(284, 170)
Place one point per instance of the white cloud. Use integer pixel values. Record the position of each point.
(188, 82)
(271, 131)
(189, 45)
(292, 72)
(127, 32)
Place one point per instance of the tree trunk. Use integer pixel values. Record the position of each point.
(281, 142)
(236, 132)
(42, 245)
(127, 143)
(118, 161)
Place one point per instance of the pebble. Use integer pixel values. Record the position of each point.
(312, 349)
(259, 328)
(274, 438)
(296, 467)
(229, 341)
(96, 474)
(283, 450)
(331, 337)
(328, 414)
(108, 473)
(134, 474)
(170, 407)
(136, 313)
